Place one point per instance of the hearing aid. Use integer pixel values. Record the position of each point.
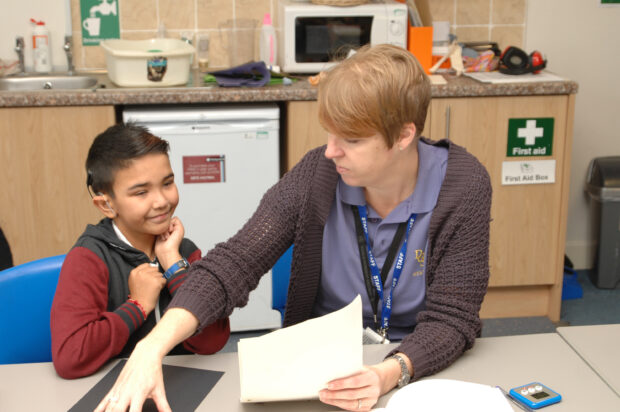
(106, 202)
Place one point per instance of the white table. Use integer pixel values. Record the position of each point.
(599, 346)
(506, 361)
(512, 361)
(36, 387)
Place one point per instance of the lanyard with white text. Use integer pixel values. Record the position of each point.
(386, 305)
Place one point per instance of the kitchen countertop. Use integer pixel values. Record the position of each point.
(106, 93)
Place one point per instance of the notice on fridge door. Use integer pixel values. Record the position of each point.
(204, 169)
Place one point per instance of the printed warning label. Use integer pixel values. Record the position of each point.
(204, 169)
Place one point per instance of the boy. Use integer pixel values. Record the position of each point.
(121, 274)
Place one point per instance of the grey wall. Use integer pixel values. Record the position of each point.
(581, 40)
(15, 21)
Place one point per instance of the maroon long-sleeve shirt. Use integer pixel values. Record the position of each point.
(92, 320)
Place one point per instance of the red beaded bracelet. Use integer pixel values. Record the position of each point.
(135, 302)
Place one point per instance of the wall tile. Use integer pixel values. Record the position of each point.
(76, 18)
(508, 12)
(138, 35)
(94, 58)
(507, 36)
(138, 15)
(252, 9)
(275, 13)
(177, 14)
(465, 34)
(442, 10)
(211, 12)
(473, 12)
(78, 50)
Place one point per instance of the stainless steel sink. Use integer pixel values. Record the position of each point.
(47, 82)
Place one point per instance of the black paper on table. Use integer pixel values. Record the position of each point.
(185, 388)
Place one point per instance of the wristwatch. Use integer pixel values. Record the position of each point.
(181, 264)
(404, 371)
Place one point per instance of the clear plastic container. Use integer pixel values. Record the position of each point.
(203, 52)
(267, 45)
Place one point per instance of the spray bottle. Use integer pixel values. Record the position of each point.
(41, 47)
(267, 45)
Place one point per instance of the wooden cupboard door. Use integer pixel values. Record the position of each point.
(45, 206)
(303, 130)
(528, 221)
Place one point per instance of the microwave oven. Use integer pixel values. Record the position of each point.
(313, 37)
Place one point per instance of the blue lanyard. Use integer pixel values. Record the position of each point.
(386, 310)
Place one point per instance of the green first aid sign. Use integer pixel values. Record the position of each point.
(530, 137)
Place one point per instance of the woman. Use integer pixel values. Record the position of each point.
(375, 193)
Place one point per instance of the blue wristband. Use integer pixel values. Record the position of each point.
(181, 264)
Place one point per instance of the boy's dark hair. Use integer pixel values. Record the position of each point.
(114, 150)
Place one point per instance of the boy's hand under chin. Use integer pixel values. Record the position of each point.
(167, 244)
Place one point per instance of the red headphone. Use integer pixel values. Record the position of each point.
(515, 61)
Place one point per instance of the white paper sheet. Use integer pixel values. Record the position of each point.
(446, 395)
(497, 77)
(298, 361)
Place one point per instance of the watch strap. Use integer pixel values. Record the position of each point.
(181, 264)
(404, 371)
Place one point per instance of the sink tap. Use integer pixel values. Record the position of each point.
(19, 49)
(69, 52)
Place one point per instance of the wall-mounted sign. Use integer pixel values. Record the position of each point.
(530, 137)
(99, 21)
(528, 172)
(204, 169)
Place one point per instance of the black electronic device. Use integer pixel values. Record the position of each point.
(515, 61)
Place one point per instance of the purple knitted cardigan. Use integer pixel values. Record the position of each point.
(294, 211)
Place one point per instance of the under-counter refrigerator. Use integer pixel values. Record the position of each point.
(224, 158)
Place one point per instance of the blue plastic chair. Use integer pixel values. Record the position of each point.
(280, 275)
(26, 295)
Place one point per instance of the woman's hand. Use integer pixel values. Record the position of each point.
(361, 391)
(141, 378)
(358, 392)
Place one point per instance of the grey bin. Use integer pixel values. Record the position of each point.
(603, 186)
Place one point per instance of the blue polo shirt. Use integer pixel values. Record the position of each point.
(342, 278)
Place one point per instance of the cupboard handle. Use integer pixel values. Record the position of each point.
(447, 122)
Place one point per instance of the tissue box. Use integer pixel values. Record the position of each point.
(148, 63)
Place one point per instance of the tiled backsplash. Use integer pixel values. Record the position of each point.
(502, 21)
(140, 19)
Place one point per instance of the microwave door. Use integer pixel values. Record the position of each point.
(326, 39)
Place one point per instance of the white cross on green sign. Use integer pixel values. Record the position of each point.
(530, 137)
